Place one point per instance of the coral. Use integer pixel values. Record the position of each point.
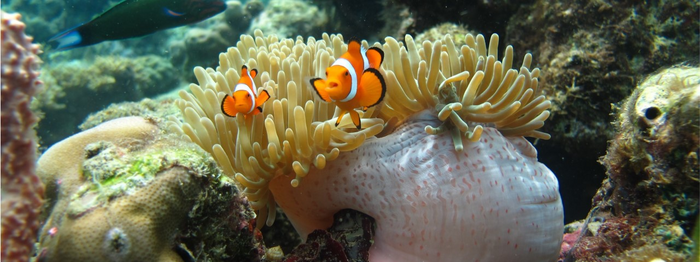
(457, 115)
(459, 32)
(651, 253)
(650, 199)
(79, 89)
(155, 109)
(219, 228)
(359, 19)
(281, 234)
(59, 167)
(200, 45)
(589, 64)
(22, 192)
(348, 239)
(572, 232)
(483, 16)
(612, 237)
(125, 191)
(286, 18)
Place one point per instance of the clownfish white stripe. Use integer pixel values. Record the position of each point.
(348, 66)
(365, 61)
(252, 83)
(244, 87)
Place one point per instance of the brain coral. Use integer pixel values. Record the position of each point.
(441, 165)
(125, 191)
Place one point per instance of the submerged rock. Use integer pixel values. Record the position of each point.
(127, 191)
(648, 205)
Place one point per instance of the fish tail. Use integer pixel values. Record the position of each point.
(373, 88)
(69, 39)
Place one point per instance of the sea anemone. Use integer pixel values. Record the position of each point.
(441, 164)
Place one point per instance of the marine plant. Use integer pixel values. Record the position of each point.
(448, 137)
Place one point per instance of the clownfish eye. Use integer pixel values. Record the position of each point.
(346, 73)
(326, 73)
(248, 95)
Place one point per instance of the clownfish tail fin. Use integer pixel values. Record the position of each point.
(373, 88)
(319, 86)
(228, 106)
(375, 55)
(253, 73)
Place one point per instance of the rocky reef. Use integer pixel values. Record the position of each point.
(202, 45)
(80, 88)
(648, 205)
(588, 64)
(126, 191)
(289, 18)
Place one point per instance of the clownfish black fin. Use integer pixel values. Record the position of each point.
(354, 46)
(253, 73)
(319, 86)
(262, 98)
(356, 119)
(228, 106)
(375, 56)
(340, 117)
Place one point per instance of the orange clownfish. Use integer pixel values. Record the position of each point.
(244, 98)
(353, 81)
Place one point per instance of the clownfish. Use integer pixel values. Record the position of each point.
(353, 81)
(244, 98)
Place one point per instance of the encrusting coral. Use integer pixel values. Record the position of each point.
(648, 205)
(22, 192)
(125, 191)
(113, 79)
(441, 164)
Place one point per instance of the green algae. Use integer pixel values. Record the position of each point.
(111, 171)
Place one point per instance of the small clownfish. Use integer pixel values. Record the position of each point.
(353, 81)
(244, 98)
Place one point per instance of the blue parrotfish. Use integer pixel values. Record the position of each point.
(134, 18)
